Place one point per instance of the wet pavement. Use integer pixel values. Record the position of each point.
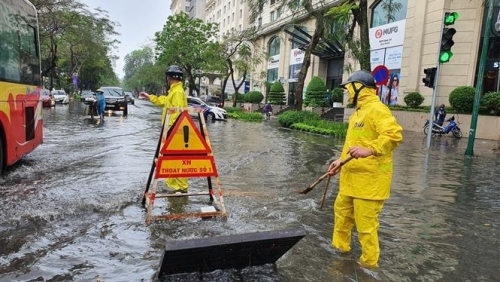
(70, 210)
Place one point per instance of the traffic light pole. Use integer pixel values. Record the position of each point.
(434, 91)
(480, 77)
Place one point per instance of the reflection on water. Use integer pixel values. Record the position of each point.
(70, 210)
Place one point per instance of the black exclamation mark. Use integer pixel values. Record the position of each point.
(185, 128)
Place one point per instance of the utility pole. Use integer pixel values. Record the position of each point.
(480, 77)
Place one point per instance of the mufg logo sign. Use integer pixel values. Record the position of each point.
(387, 35)
(381, 32)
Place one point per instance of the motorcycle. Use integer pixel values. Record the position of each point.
(438, 129)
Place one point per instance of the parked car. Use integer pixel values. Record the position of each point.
(86, 94)
(129, 97)
(59, 95)
(47, 99)
(115, 99)
(209, 112)
(212, 100)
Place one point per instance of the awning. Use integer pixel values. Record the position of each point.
(325, 49)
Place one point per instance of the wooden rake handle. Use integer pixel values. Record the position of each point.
(308, 189)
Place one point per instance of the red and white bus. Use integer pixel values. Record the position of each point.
(21, 121)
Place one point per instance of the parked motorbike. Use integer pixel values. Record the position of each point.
(438, 129)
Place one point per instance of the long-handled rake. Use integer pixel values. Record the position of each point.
(310, 187)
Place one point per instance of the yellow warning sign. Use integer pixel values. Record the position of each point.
(184, 138)
(185, 166)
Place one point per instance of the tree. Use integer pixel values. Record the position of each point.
(136, 60)
(354, 13)
(316, 93)
(182, 42)
(317, 11)
(277, 93)
(233, 58)
(71, 39)
(142, 72)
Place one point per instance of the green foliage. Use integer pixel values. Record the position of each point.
(288, 118)
(254, 97)
(491, 103)
(462, 99)
(316, 94)
(276, 94)
(141, 72)
(240, 97)
(323, 127)
(414, 99)
(346, 16)
(74, 39)
(337, 95)
(189, 43)
(238, 113)
(232, 109)
(311, 122)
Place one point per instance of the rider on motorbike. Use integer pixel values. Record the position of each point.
(439, 115)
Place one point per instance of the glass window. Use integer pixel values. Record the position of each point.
(272, 16)
(274, 46)
(272, 75)
(388, 11)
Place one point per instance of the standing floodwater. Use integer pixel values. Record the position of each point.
(70, 211)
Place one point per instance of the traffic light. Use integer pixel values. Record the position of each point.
(447, 37)
(430, 77)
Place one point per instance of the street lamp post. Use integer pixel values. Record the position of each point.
(199, 74)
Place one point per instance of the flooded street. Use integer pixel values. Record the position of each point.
(70, 210)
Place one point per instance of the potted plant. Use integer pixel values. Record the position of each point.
(337, 97)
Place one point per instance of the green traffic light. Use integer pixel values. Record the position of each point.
(445, 56)
(450, 18)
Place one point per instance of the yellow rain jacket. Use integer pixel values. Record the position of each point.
(176, 98)
(372, 126)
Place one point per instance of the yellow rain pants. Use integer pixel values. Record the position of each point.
(365, 213)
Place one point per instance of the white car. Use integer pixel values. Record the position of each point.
(210, 112)
(59, 96)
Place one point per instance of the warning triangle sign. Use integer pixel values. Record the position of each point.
(184, 138)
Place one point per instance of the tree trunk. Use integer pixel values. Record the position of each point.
(238, 86)
(318, 33)
(362, 19)
(223, 88)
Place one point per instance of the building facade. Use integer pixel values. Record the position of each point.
(194, 8)
(404, 37)
(228, 14)
(177, 6)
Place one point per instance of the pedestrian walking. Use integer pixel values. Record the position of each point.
(365, 182)
(176, 98)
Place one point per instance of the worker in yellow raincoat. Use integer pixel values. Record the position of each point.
(176, 98)
(365, 182)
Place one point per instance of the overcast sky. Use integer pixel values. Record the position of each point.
(138, 21)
